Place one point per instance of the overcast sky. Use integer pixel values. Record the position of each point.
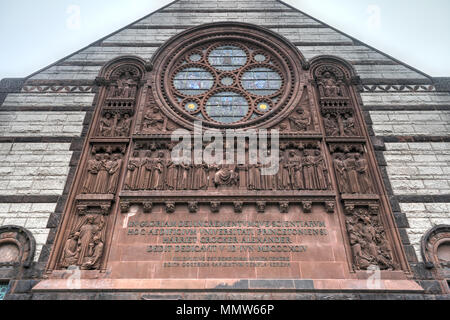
(37, 33)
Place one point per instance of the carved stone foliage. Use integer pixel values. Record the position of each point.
(352, 169)
(368, 241)
(103, 169)
(84, 245)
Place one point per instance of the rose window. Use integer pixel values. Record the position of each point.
(228, 83)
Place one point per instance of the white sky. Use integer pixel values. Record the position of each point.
(37, 33)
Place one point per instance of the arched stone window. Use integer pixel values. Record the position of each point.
(228, 76)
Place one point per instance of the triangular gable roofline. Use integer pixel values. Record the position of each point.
(101, 39)
(287, 5)
(358, 41)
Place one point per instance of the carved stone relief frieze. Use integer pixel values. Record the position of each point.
(367, 236)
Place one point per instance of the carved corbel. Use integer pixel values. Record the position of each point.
(238, 206)
(261, 206)
(105, 209)
(148, 206)
(284, 207)
(125, 206)
(374, 208)
(170, 207)
(349, 209)
(193, 207)
(330, 206)
(307, 206)
(82, 209)
(215, 206)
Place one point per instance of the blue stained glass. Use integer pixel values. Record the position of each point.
(227, 58)
(193, 81)
(227, 107)
(261, 81)
(3, 290)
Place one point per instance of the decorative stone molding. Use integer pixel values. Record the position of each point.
(17, 247)
(435, 238)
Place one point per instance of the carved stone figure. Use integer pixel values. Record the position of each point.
(93, 168)
(106, 125)
(341, 173)
(363, 174)
(158, 173)
(113, 168)
(123, 126)
(200, 177)
(153, 120)
(300, 120)
(132, 173)
(368, 240)
(350, 167)
(226, 176)
(84, 248)
(309, 171)
(331, 125)
(70, 254)
(330, 86)
(183, 181)
(101, 183)
(254, 176)
(172, 176)
(349, 125)
(321, 171)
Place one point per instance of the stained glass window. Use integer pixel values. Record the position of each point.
(3, 290)
(227, 82)
(227, 58)
(227, 107)
(261, 81)
(193, 81)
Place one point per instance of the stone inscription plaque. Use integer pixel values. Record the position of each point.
(227, 245)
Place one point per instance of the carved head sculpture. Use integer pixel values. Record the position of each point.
(327, 75)
(292, 154)
(98, 157)
(108, 115)
(161, 155)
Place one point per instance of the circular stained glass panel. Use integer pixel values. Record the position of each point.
(191, 106)
(227, 58)
(227, 107)
(263, 107)
(261, 81)
(193, 81)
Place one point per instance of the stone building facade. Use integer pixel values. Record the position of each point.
(47, 122)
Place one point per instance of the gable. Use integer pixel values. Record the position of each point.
(313, 38)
